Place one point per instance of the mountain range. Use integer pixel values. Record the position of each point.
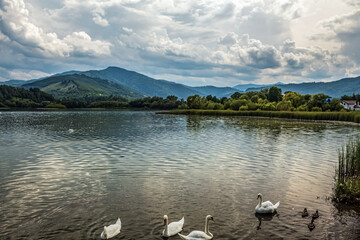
(132, 85)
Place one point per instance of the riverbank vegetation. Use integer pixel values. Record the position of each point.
(347, 189)
(316, 116)
(270, 99)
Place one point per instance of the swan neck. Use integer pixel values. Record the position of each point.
(166, 228)
(207, 228)
(260, 201)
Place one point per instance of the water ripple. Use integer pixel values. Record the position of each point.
(67, 174)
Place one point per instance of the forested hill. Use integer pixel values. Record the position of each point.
(77, 86)
(22, 98)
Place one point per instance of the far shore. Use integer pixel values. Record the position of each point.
(352, 118)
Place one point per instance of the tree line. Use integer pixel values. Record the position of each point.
(269, 99)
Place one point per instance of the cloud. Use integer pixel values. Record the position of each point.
(345, 29)
(17, 27)
(98, 17)
(214, 41)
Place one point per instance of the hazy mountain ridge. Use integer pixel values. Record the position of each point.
(345, 86)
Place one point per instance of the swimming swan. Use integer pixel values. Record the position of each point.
(172, 228)
(197, 235)
(265, 207)
(111, 230)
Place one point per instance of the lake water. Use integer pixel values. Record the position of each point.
(64, 175)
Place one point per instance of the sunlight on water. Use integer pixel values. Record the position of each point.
(67, 174)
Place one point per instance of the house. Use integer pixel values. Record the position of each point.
(350, 104)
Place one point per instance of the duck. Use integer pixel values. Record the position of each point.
(265, 207)
(311, 225)
(305, 213)
(172, 228)
(316, 214)
(111, 230)
(200, 235)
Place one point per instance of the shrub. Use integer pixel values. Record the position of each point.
(316, 109)
(243, 108)
(55, 105)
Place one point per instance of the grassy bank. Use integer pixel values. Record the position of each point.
(330, 116)
(347, 189)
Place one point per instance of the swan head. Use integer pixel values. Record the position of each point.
(165, 219)
(259, 196)
(209, 217)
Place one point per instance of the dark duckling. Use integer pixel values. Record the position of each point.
(316, 214)
(305, 213)
(311, 225)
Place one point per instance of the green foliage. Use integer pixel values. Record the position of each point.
(316, 109)
(55, 105)
(236, 104)
(196, 102)
(243, 108)
(332, 116)
(22, 98)
(82, 87)
(170, 102)
(274, 94)
(236, 95)
(347, 187)
(284, 106)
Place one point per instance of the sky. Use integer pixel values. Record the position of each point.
(193, 42)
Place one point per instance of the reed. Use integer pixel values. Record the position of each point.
(325, 116)
(347, 187)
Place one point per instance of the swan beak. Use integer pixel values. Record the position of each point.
(164, 222)
(212, 219)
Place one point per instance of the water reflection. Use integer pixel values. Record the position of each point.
(265, 217)
(58, 183)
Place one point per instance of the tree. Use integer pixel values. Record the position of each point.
(274, 94)
(236, 95)
(196, 102)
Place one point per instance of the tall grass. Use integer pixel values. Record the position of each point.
(331, 116)
(347, 187)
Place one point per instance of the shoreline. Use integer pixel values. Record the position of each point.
(352, 118)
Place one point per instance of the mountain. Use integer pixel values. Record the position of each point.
(215, 91)
(244, 87)
(17, 83)
(345, 86)
(141, 83)
(80, 86)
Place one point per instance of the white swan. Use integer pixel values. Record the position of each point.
(196, 235)
(265, 207)
(111, 230)
(172, 228)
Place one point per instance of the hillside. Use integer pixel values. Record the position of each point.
(80, 86)
(141, 83)
(346, 86)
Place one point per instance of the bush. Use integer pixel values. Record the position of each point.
(316, 109)
(243, 108)
(55, 105)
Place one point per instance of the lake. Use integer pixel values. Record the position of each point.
(66, 174)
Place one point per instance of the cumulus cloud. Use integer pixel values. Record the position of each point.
(345, 30)
(218, 41)
(98, 17)
(17, 27)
